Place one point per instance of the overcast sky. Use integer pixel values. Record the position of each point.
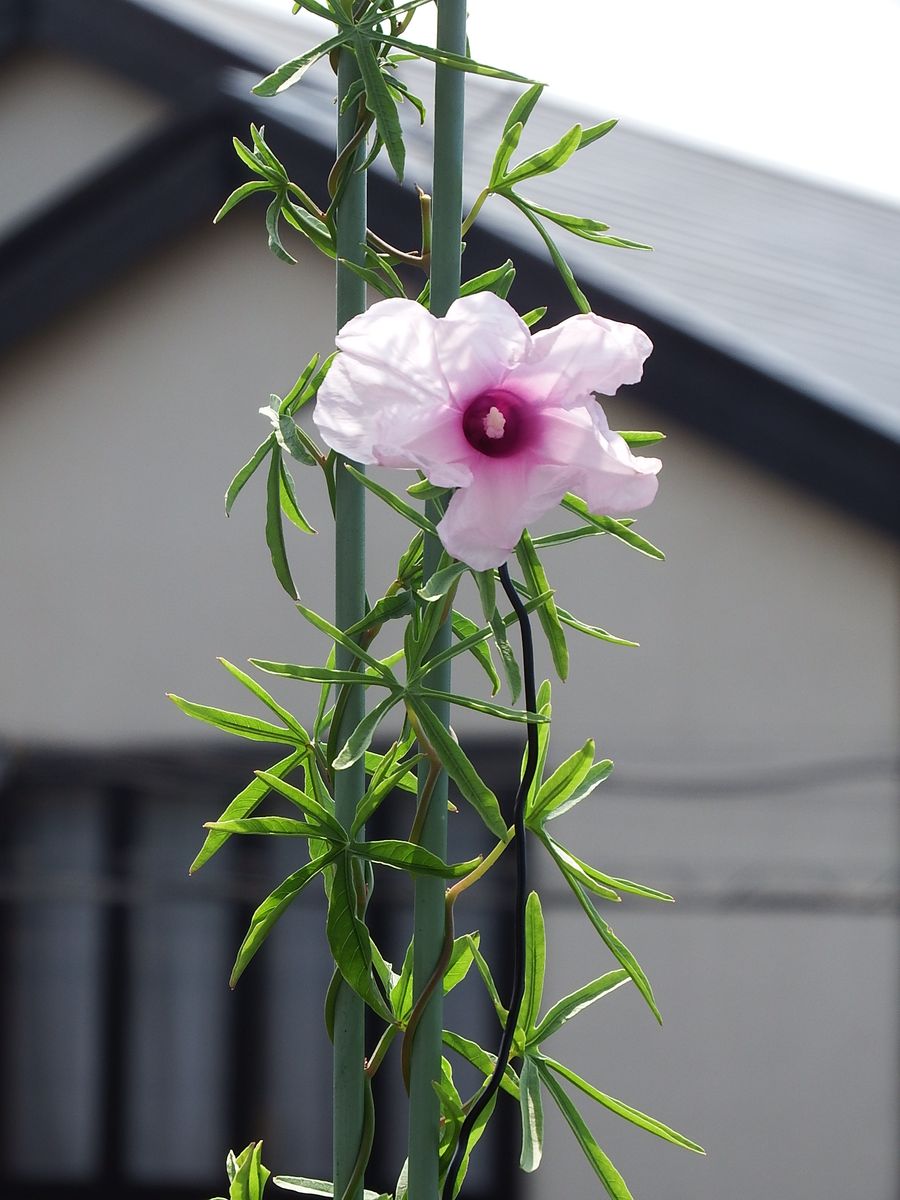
(810, 85)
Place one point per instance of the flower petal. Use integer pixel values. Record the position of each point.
(385, 388)
(484, 521)
(599, 464)
(582, 355)
(478, 342)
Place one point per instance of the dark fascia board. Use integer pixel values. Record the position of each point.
(178, 176)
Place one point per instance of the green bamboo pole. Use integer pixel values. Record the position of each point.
(425, 1061)
(349, 604)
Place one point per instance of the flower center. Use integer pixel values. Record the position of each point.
(496, 423)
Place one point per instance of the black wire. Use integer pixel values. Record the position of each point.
(518, 986)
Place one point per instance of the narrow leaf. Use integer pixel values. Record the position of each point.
(238, 723)
(349, 938)
(591, 780)
(272, 907)
(290, 72)
(392, 501)
(570, 1005)
(458, 62)
(270, 702)
(461, 771)
(610, 525)
(246, 471)
(532, 1115)
(274, 528)
(625, 1110)
(562, 783)
(535, 964)
(483, 1060)
(243, 805)
(537, 582)
(289, 505)
(239, 194)
(361, 737)
(406, 856)
(380, 103)
(545, 161)
(603, 1167)
(309, 804)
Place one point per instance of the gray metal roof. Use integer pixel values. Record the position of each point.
(798, 279)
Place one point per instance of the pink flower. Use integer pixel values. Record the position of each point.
(477, 403)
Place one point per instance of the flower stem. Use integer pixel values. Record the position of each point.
(519, 947)
(429, 918)
(349, 1115)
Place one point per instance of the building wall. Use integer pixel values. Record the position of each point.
(753, 731)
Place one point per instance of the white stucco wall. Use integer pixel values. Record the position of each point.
(769, 650)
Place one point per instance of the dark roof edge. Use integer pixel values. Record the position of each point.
(179, 174)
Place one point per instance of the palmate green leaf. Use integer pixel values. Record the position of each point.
(289, 73)
(561, 784)
(598, 772)
(570, 1005)
(618, 947)
(392, 501)
(610, 525)
(482, 1059)
(536, 581)
(256, 458)
(624, 1110)
(603, 1167)
(349, 938)
(247, 1175)
(269, 826)
(465, 629)
(532, 1112)
(312, 806)
(243, 805)
(274, 528)
(238, 723)
(459, 62)
(406, 856)
(545, 161)
(239, 194)
(535, 966)
(380, 103)
(459, 768)
(273, 906)
(361, 737)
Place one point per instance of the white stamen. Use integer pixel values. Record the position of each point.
(494, 423)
